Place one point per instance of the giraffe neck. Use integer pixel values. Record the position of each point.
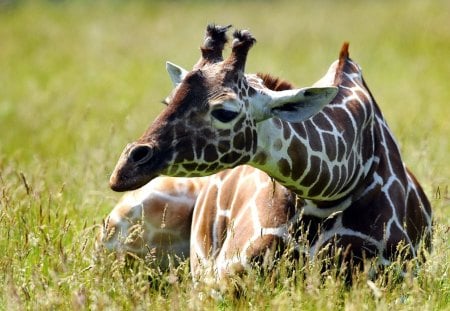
(327, 157)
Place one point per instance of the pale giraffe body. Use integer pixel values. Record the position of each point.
(342, 160)
(230, 228)
(155, 219)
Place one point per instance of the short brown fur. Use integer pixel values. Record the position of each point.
(275, 83)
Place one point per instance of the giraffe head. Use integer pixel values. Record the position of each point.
(211, 119)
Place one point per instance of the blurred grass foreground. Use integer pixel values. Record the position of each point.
(80, 79)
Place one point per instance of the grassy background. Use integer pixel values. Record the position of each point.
(79, 80)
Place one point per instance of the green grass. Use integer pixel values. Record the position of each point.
(80, 80)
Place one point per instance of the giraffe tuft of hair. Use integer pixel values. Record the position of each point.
(216, 35)
(243, 37)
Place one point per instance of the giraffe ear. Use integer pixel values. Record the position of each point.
(176, 73)
(300, 104)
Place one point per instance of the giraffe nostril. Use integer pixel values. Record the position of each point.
(141, 154)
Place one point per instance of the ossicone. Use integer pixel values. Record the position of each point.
(215, 40)
(242, 42)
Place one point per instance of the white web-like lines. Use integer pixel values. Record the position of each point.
(339, 230)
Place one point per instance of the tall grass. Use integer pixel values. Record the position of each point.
(79, 80)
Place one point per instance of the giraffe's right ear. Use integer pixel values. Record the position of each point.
(298, 105)
(176, 73)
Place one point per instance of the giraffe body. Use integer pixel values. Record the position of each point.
(241, 217)
(342, 160)
(155, 218)
(230, 229)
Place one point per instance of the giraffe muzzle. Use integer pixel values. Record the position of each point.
(132, 169)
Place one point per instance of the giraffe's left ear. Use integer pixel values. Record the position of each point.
(297, 105)
(176, 73)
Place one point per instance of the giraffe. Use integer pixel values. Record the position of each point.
(328, 143)
(154, 219)
(225, 233)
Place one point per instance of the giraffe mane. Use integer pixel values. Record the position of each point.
(344, 57)
(274, 83)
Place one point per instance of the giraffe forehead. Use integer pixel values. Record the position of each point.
(201, 83)
(190, 95)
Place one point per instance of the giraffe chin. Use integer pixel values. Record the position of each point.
(120, 183)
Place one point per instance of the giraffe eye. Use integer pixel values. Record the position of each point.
(224, 115)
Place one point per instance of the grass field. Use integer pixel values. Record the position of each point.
(80, 80)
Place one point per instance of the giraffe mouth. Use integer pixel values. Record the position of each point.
(137, 166)
(125, 182)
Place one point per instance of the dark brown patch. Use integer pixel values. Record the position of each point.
(213, 167)
(223, 146)
(238, 125)
(248, 138)
(239, 141)
(325, 123)
(363, 98)
(200, 144)
(210, 153)
(225, 133)
(244, 159)
(396, 237)
(284, 167)
(355, 249)
(300, 129)
(207, 133)
(202, 167)
(318, 188)
(229, 158)
(313, 226)
(185, 154)
(278, 144)
(251, 92)
(311, 176)
(255, 140)
(340, 149)
(190, 166)
(297, 151)
(330, 145)
(260, 158)
(286, 131)
(334, 183)
(367, 218)
(313, 138)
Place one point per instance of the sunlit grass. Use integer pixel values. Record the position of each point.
(79, 80)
